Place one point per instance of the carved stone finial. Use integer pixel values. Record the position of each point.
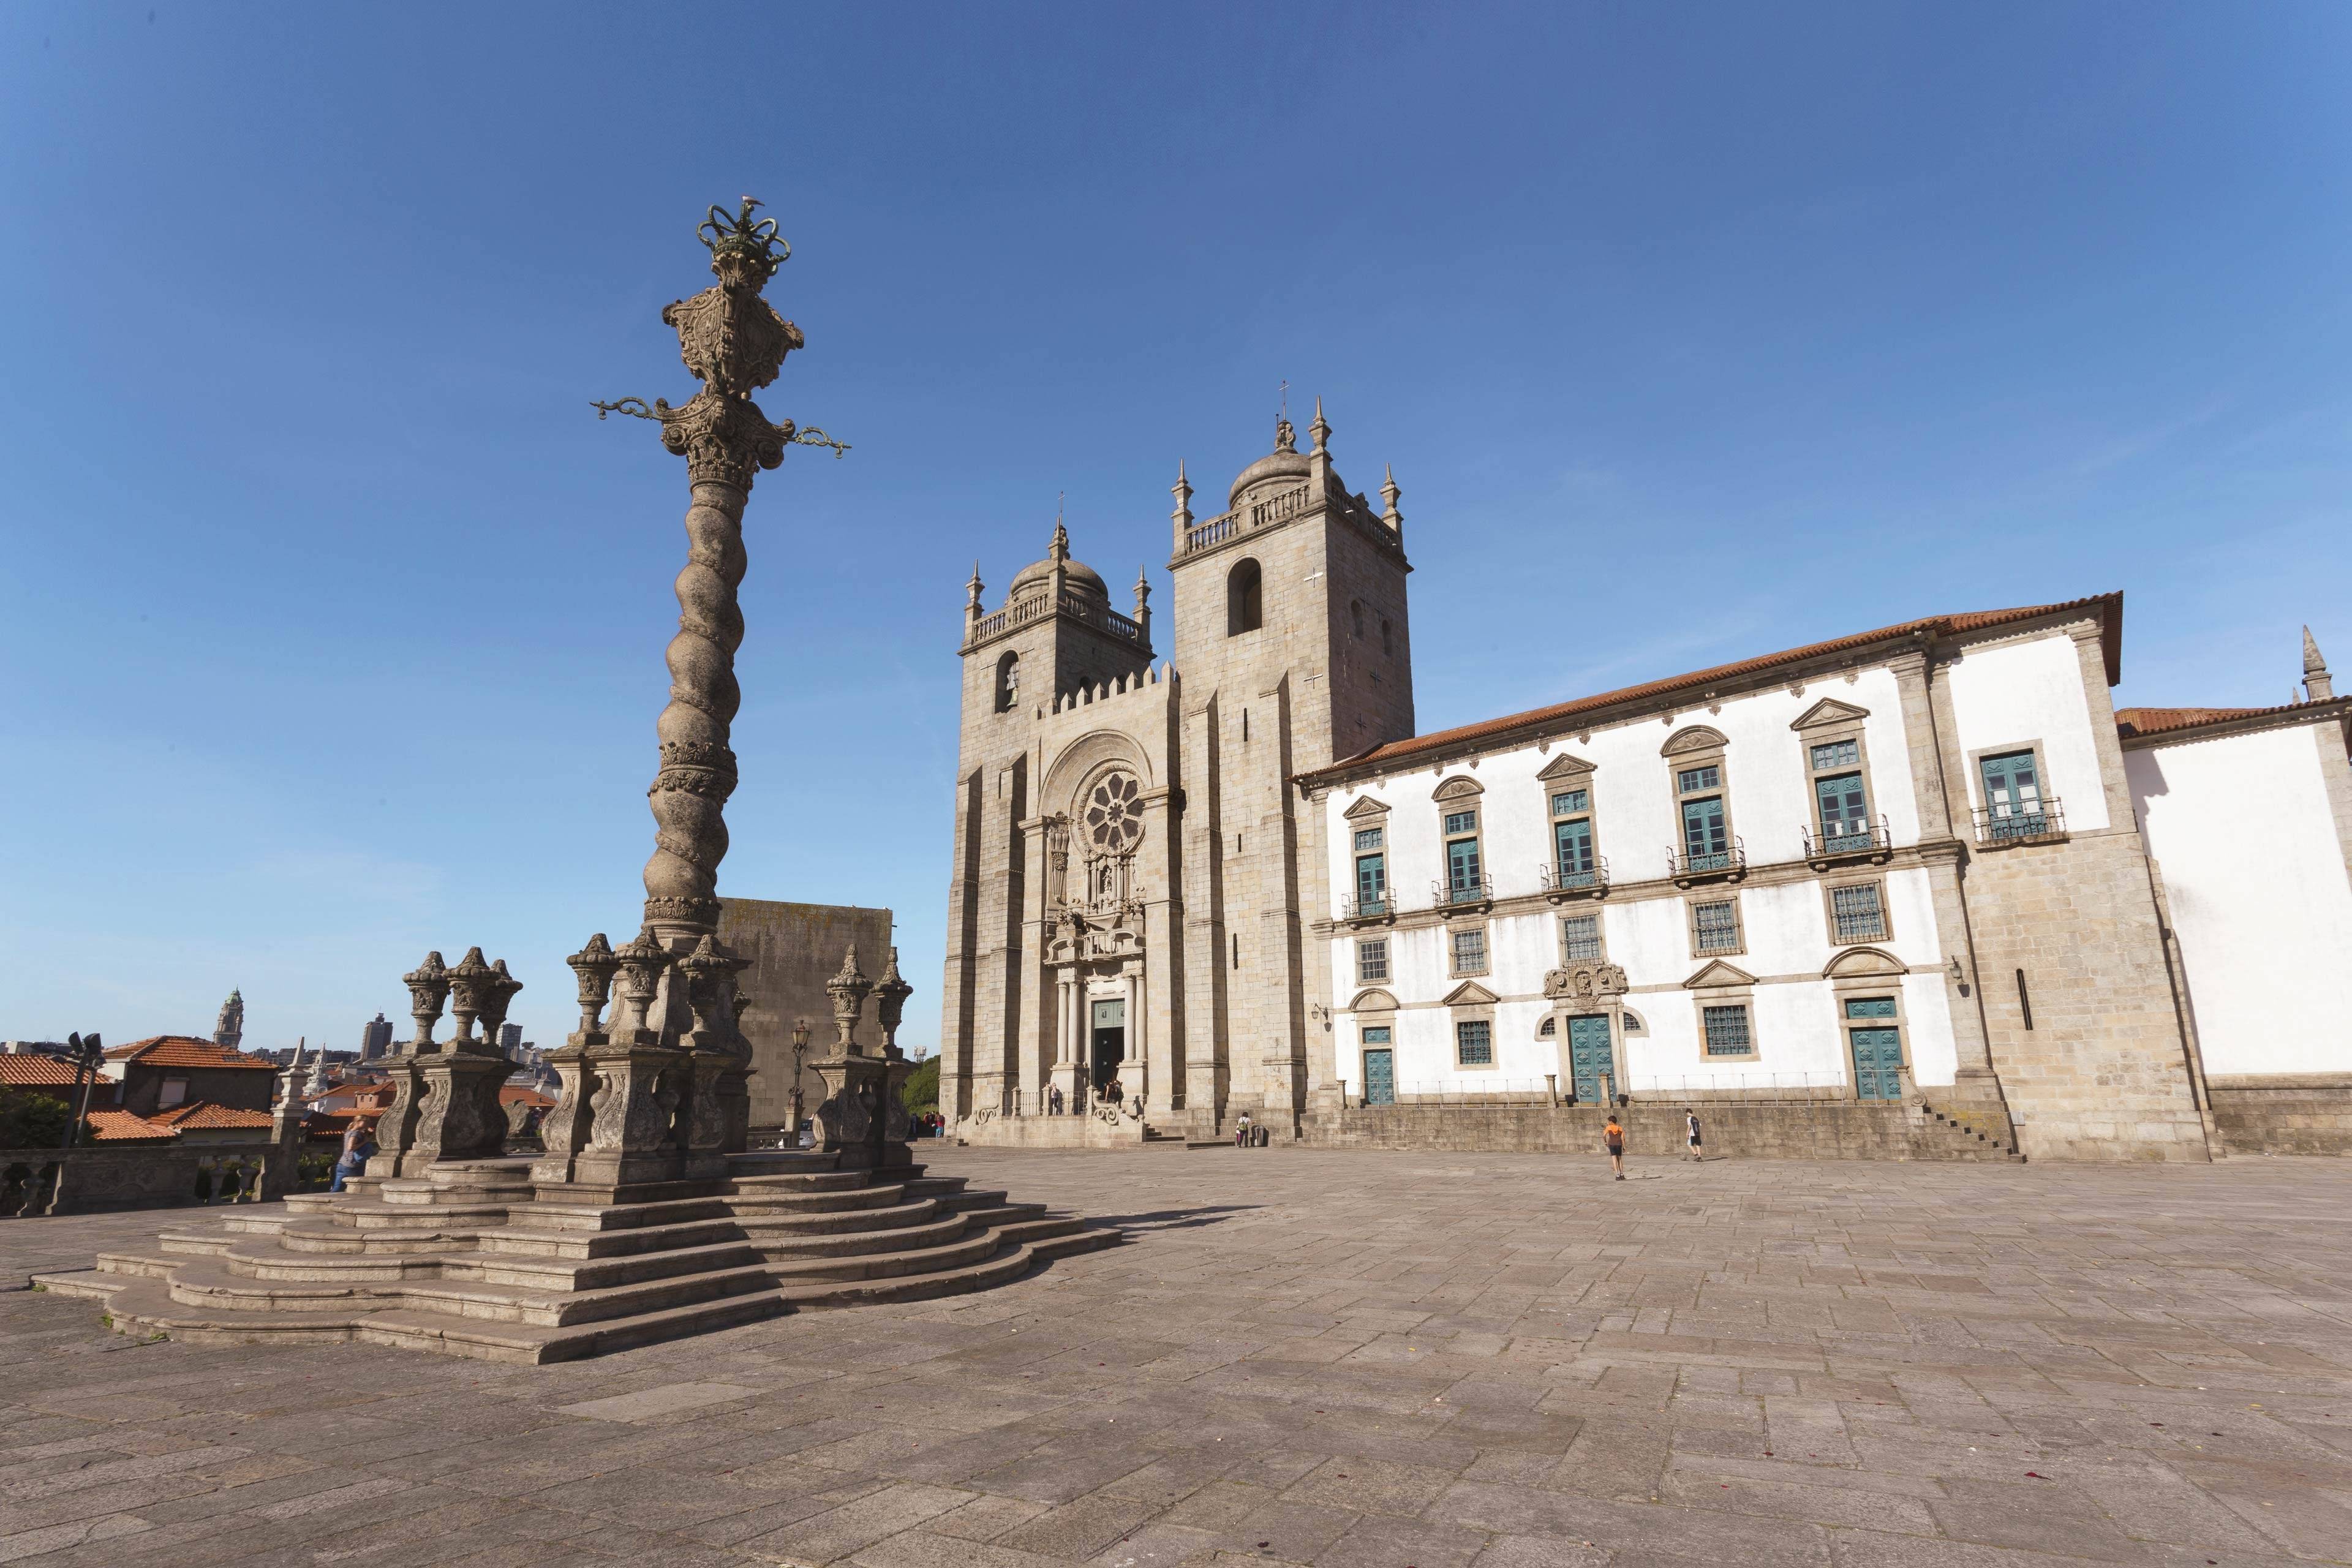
(428, 988)
(596, 966)
(497, 993)
(642, 960)
(469, 987)
(848, 990)
(1321, 428)
(1286, 438)
(2317, 684)
(890, 1004)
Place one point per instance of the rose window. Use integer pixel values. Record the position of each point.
(1114, 814)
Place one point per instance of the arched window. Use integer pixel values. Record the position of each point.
(1356, 613)
(1008, 682)
(1244, 599)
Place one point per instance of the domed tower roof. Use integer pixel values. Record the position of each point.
(1283, 462)
(1075, 574)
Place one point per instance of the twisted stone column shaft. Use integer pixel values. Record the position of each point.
(689, 796)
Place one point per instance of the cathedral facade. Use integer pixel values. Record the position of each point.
(1920, 878)
(1135, 882)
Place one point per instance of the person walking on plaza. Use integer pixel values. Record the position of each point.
(1692, 1117)
(1614, 1136)
(1242, 1132)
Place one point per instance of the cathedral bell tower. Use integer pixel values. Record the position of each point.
(1294, 642)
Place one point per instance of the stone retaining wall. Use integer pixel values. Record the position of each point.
(2305, 1114)
(1791, 1129)
(140, 1176)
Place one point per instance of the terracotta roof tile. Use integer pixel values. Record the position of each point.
(26, 1071)
(2130, 721)
(2110, 606)
(203, 1113)
(523, 1094)
(122, 1127)
(187, 1051)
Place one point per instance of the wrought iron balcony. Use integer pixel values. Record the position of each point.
(2000, 827)
(1867, 840)
(1382, 908)
(1720, 865)
(1559, 884)
(1453, 895)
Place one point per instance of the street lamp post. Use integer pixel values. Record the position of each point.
(88, 1052)
(800, 1050)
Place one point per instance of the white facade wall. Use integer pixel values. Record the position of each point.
(2012, 695)
(2243, 832)
(1795, 1012)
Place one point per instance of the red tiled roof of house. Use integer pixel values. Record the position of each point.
(123, 1127)
(523, 1094)
(2109, 606)
(27, 1070)
(2131, 721)
(186, 1051)
(203, 1113)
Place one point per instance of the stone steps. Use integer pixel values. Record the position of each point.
(1966, 1140)
(541, 1275)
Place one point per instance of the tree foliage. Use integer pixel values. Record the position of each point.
(29, 1121)
(920, 1093)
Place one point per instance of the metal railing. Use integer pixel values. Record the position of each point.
(1683, 865)
(1555, 878)
(1867, 837)
(1449, 894)
(1367, 909)
(2006, 824)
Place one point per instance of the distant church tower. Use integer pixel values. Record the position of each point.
(229, 1029)
(1131, 862)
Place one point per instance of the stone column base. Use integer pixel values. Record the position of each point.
(857, 1089)
(459, 1117)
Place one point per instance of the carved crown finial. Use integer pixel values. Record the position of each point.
(1321, 428)
(741, 249)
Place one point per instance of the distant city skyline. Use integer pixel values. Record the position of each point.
(336, 617)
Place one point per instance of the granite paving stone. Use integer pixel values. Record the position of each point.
(1339, 1360)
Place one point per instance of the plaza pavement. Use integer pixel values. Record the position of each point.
(1347, 1360)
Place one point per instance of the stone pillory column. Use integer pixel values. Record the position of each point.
(733, 341)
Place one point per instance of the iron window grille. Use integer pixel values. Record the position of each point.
(1580, 937)
(1727, 1031)
(1372, 960)
(1469, 952)
(1715, 928)
(1474, 1043)
(1859, 914)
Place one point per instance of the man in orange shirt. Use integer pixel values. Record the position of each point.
(1614, 1136)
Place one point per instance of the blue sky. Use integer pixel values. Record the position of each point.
(332, 618)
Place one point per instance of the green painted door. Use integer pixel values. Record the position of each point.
(1588, 1057)
(2012, 791)
(1705, 839)
(1379, 1069)
(1877, 1048)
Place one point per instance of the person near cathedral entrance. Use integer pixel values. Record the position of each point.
(1692, 1117)
(1113, 1092)
(1053, 1100)
(1614, 1135)
(1242, 1131)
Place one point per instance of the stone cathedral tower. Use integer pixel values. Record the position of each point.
(1134, 873)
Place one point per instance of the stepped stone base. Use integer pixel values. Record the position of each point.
(475, 1257)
